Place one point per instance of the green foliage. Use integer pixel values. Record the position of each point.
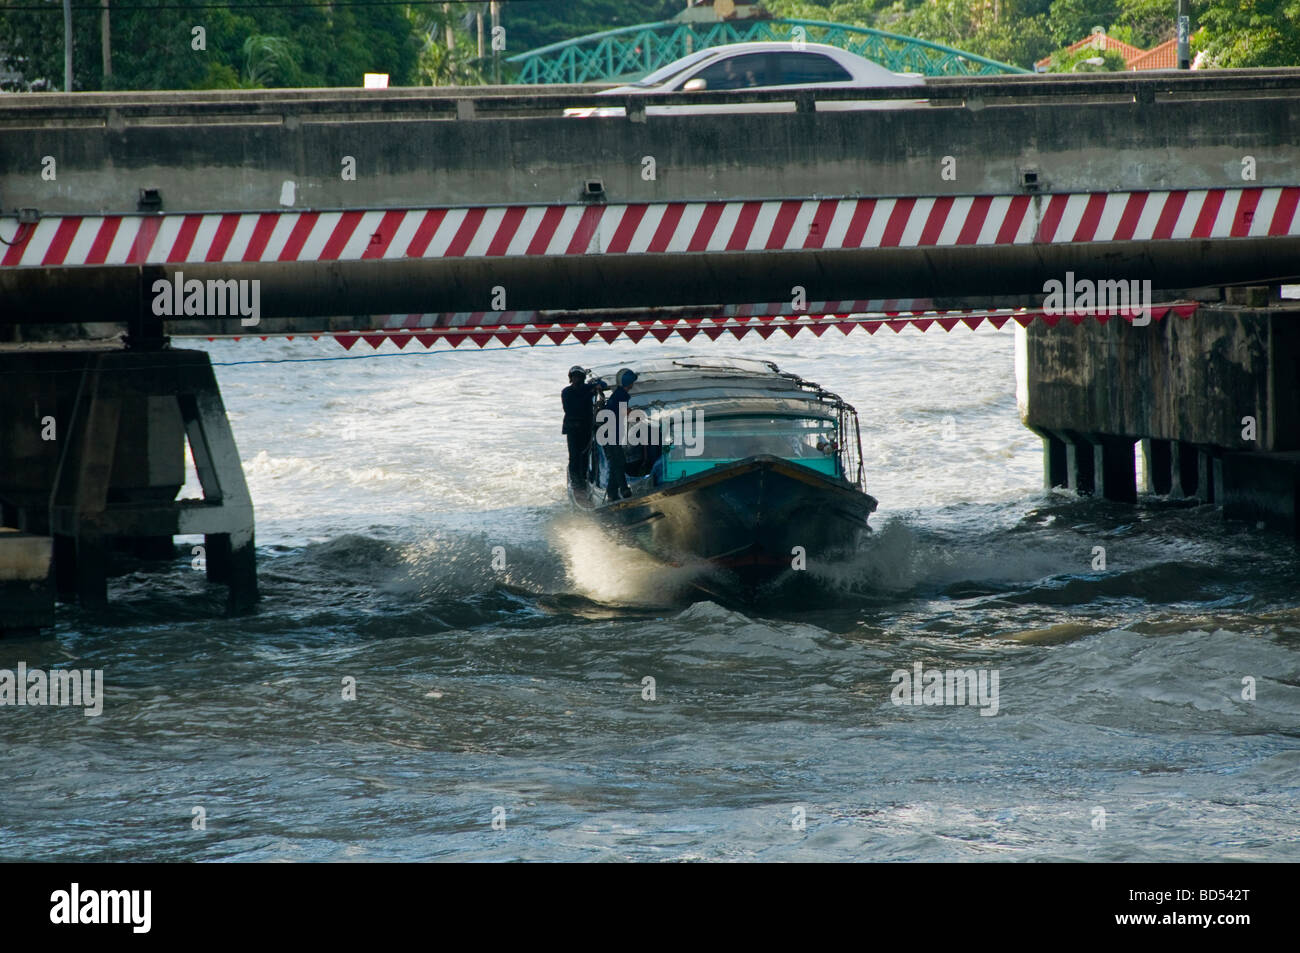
(1151, 21)
(250, 44)
(542, 22)
(270, 61)
(1078, 61)
(1250, 32)
(438, 65)
(155, 48)
(1236, 32)
(1013, 31)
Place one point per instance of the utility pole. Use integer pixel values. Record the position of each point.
(478, 19)
(106, 44)
(449, 34)
(495, 8)
(67, 46)
(1184, 36)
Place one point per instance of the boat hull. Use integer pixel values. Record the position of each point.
(746, 518)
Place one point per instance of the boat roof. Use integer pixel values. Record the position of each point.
(723, 387)
(750, 406)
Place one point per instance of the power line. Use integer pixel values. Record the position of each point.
(288, 4)
(131, 369)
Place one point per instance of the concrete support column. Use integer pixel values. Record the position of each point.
(92, 454)
(1209, 476)
(1182, 470)
(1080, 465)
(1157, 456)
(1263, 488)
(26, 586)
(1115, 478)
(1056, 470)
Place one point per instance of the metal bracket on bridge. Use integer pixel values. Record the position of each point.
(145, 329)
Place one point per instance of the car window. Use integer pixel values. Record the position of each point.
(737, 72)
(797, 68)
(672, 69)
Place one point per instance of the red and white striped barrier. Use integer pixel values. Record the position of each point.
(673, 227)
(493, 327)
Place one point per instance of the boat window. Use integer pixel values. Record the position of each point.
(810, 441)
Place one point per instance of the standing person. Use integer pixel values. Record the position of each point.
(579, 417)
(614, 449)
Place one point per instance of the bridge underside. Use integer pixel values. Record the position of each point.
(414, 202)
(415, 216)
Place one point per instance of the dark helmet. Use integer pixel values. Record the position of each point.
(578, 372)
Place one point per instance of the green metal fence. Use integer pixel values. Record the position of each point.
(631, 52)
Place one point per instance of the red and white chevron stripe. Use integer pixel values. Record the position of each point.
(673, 227)
(765, 325)
(458, 319)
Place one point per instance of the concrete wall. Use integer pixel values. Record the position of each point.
(26, 582)
(39, 391)
(234, 152)
(1191, 380)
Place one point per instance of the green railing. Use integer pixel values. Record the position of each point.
(631, 52)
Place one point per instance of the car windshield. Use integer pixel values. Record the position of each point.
(665, 73)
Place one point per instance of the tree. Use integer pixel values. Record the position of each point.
(542, 22)
(187, 44)
(437, 64)
(1250, 32)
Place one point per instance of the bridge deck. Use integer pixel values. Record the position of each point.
(491, 202)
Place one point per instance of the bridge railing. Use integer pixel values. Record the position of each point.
(629, 52)
(109, 110)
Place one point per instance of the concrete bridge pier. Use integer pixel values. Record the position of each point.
(26, 583)
(1157, 466)
(1080, 464)
(1113, 464)
(1213, 399)
(1090, 464)
(92, 457)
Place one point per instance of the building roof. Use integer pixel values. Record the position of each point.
(1164, 56)
(1100, 41)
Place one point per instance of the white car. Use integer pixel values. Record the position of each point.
(761, 66)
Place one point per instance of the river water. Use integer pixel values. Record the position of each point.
(1121, 728)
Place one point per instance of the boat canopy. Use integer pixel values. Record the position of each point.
(751, 407)
(758, 405)
(723, 386)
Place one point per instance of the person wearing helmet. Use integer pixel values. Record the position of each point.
(614, 450)
(579, 417)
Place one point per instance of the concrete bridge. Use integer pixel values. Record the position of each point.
(487, 214)
(413, 201)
